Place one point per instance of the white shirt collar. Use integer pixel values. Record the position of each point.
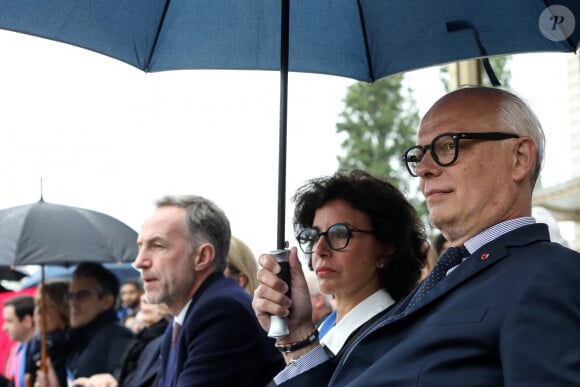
(369, 307)
(180, 318)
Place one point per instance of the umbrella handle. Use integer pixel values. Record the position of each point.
(43, 355)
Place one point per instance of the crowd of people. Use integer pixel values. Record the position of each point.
(490, 300)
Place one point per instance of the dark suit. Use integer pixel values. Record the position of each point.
(508, 315)
(98, 346)
(221, 342)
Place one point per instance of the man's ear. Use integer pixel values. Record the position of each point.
(524, 157)
(204, 256)
(108, 301)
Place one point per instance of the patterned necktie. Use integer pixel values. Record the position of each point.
(175, 335)
(450, 258)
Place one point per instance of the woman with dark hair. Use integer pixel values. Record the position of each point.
(372, 251)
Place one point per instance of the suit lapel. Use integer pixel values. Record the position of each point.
(164, 380)
(482, 259)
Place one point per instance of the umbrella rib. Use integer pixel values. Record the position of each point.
(157, 33)
(366, 41)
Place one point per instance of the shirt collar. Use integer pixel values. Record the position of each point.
(180, 318)
(361, 313)
(496, 231)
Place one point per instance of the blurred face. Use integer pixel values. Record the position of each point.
(53, 318)
(17, 330)
(149, 314)
(350, 274)
(480, 178)
(85, 301)
(130, 295)
(166, 265)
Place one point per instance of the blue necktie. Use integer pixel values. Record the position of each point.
(451, 257)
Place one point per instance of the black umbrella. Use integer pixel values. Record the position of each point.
(43, 233)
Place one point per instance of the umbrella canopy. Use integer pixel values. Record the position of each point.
(44, 233)
(365, 39)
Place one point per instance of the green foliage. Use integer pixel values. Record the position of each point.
(378, 123)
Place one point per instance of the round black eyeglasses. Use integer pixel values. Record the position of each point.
(445, 148)
(337, 236)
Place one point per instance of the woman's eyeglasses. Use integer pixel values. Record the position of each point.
(337, 236)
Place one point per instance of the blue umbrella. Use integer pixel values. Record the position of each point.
(123, 271)
(365, 39)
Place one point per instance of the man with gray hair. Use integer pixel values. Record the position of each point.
(215, 338)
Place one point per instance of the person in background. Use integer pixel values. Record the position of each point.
(18, 313)
(214, 338)
(365, 243)
(56, 314)
(321, 306)
(140, 366)
(242, 265)
(501, 307)
(6, 345)
(131, 291)
(97, 340)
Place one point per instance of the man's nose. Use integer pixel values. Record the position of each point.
(426, 165)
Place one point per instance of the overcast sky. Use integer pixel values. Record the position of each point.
(105, 136)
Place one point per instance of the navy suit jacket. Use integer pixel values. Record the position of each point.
(220, 342)
(509, 315)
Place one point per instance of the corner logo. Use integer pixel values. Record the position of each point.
(557, 23)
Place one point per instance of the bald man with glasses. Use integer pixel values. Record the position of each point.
(501, 307)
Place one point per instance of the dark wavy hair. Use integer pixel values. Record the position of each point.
(393, 218)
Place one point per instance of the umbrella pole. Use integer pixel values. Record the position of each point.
(43, 365)
(284, 53)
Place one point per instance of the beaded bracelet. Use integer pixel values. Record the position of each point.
(310, 337)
